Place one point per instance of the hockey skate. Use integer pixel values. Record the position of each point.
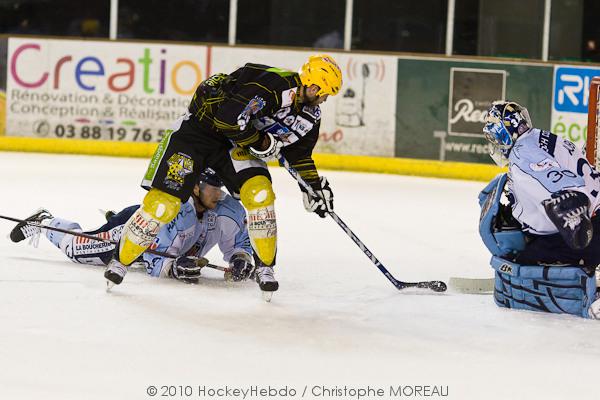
(114, 273)
(30, 227)
(266, 281)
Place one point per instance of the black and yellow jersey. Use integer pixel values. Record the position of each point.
(228, 103)
(257, 98)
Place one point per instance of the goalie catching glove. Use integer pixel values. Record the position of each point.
(187, 269)
(270, 148)
(322, 204)
(568, 210)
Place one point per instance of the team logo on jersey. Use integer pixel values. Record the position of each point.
(180, 165)
(302, 125)
(254, 106)
(211, 221)
(283, 112)
(288, 97)
(289, 120)
(313, 111)
(543, 165)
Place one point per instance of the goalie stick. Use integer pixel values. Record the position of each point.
(482, 285)
(99, 239)
(472, 285)
(436, 286)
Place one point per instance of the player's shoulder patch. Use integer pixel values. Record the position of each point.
(256, 104)
(313, 111)
(288, 96)
(547, 142)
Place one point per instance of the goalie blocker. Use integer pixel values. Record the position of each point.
(536, 285)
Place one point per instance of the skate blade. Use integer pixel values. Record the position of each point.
(109, 285)
(267, 296)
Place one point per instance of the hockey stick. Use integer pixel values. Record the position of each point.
(436, 286)
(99, 239)
(472, 285)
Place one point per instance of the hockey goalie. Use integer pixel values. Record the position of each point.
(539, 220)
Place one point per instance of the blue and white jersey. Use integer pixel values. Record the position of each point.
(224, 226)
(541, 163)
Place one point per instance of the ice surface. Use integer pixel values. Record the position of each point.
(335, 321)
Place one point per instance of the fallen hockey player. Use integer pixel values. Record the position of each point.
(210, 217)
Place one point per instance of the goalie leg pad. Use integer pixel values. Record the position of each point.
(259, 200)
(158, 209)
(554, 289)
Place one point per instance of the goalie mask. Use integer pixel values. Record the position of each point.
(504, 123)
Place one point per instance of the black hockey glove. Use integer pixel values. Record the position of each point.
(241, 267)
(569, 210)
(319, 205)
(187, 269)
(270, 148)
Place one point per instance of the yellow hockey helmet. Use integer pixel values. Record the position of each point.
(323, 71)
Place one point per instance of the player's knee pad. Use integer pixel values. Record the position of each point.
(161, 206)
(555, 289)
(257, 192)
(158, 209)
(258, 198)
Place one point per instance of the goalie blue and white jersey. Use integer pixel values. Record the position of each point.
(541, 163)
(224, 226)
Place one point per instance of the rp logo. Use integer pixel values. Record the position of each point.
(571, 88)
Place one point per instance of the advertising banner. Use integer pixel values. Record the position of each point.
(99, 89)
(359, 120)
(3, 49)
(471, 93)
(442, 103)
(570, 102)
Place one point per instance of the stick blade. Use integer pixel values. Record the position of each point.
(472, 285)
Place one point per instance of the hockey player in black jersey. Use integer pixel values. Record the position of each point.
(236, 122)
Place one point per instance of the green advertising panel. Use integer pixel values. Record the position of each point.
(441, 104)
